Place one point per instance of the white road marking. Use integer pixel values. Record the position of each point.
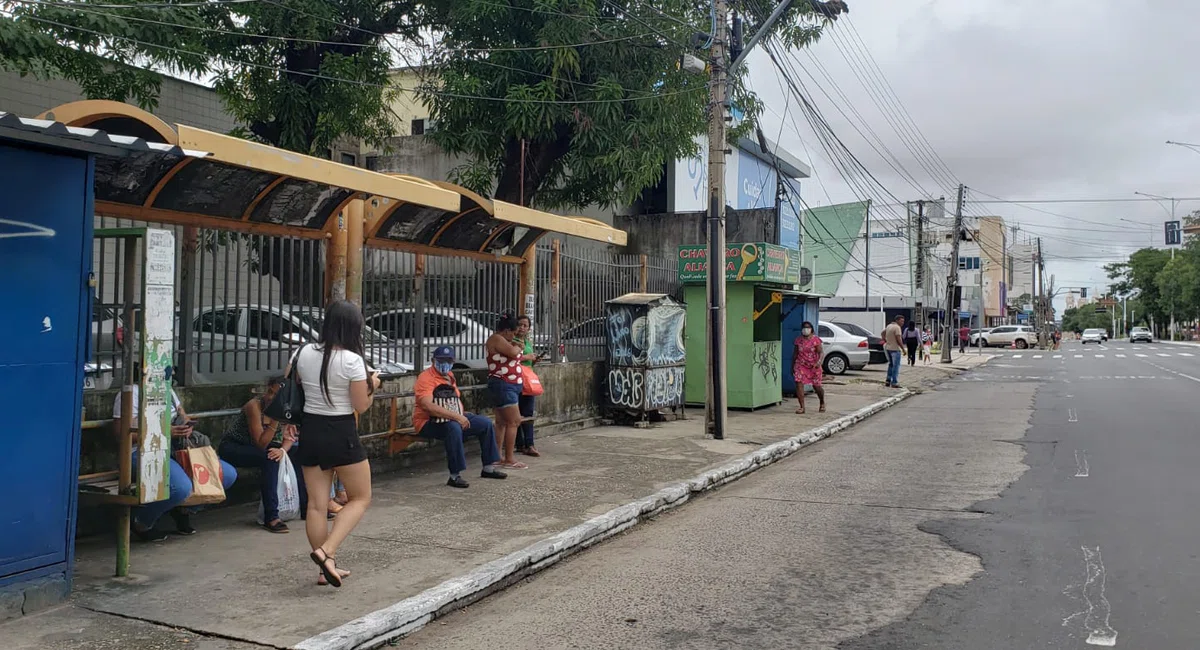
(1018, 356)
(1072, 415)
(1079, 356)
(1081, 464)
(1120, 356)
(1098, 609)
(1186, 354)
(1037, 356)
(1058, 356)
(1099, 356)
(1163, 355)
(1140, 356)
(1185, 376)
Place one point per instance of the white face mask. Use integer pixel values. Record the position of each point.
(807, 331)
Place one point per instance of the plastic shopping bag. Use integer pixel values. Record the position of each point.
(288, 490)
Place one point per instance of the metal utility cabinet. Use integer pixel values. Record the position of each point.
(758, 277)
(646, 352)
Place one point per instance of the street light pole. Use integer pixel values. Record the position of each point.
(1174, 202)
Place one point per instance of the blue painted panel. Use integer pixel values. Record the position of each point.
(757, 183)
(45, 250)
(796, 310)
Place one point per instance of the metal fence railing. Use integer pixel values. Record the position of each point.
(245, 302)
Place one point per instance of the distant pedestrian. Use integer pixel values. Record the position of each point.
(927, 346)
(806, 365)
(893, 344)
(912, 341)
(964, 338)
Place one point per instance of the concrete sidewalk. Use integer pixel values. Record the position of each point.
(239, 584)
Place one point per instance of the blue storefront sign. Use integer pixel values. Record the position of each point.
(789, 215)
(757, 181)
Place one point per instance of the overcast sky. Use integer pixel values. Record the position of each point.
(1021, 99)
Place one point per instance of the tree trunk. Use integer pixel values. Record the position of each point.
(540, 158)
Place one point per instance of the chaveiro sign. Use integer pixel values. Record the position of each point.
(751, 262)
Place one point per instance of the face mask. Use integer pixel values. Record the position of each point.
(807, 331)
(443, 366)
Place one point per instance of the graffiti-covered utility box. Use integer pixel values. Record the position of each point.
(646, 354)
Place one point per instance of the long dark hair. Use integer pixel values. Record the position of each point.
(343, 328)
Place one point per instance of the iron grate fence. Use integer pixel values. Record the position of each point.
(245, 302)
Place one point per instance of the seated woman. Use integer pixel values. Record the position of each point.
(254, 440)
(145, 517)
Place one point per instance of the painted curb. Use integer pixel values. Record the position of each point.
(411, 614)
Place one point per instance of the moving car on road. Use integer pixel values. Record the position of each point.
(843, 350)
(1140, 334)
(1022, 336)
(1092, 335)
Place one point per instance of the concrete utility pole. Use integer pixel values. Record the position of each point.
(867, 264)
(952, 281)
(919, 271)
(1041, 300)
(716, 412)
(716, 409)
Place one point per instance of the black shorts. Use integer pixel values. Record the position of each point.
(329, 441)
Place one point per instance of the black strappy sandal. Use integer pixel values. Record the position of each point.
(323, 560)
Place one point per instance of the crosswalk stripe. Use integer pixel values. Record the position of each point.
(1018, 356)
(1163, 355)
(1079, 356)
(1120, 356)
(1099, 356)
(1037, 356)
(1141, 355)
(1186, 354)
(1058, 356)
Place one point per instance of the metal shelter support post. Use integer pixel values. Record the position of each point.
(129, 380)
(188, 281)
(418, 299)
(354, 250)
(335, 259)
(556, 300)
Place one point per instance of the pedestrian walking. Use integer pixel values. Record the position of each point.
(337, 387)
(893, 343)
(927, 346)
(964, 338)
(806, 365)
(912, 340)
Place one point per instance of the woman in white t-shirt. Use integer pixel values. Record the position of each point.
(337, 386)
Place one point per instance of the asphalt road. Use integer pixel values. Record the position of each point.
(1096, 545)
(820, 549)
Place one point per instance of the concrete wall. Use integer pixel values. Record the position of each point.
(661, 235)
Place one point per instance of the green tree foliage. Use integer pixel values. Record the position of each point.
(296, 74)
(588, 93)
(1140, 274)
(1078, 319)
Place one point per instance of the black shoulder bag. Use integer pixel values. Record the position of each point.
(288, 404)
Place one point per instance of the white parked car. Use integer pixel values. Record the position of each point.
(248, 343)
(466, 330)
(843, 350)
(1023, 336)
(1092, 335)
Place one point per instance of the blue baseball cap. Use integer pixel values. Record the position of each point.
(443, 352)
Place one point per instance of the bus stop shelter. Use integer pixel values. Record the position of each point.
(108, 158)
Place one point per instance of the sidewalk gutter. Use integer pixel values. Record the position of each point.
(411, 614)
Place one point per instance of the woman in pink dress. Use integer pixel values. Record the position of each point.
(806, 365)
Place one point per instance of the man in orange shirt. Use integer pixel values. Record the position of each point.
(439, 414)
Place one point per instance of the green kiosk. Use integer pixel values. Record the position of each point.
(760, 279)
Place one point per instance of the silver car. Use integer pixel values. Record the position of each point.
(1092, 335)
(843, 350)
(1140, 334)
(1021, 336)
